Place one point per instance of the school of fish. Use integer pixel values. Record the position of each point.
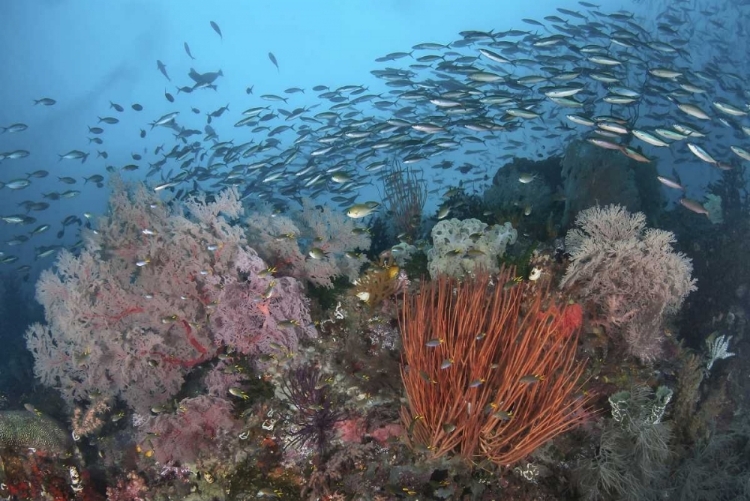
(588, 73)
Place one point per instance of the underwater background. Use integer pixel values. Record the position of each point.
(374, 250)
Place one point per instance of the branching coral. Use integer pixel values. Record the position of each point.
(314, 244)
(631, 273)
(315, 413)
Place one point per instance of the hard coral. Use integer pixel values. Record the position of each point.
(462, 247)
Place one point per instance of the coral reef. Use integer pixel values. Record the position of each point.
(462, 247)
(596, 176)
(460, 387)
(632, 274)
(315, 244)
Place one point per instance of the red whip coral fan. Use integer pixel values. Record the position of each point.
(135, 311)
(489, 372)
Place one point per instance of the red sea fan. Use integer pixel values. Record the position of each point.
(158, 289)
(222, 377)
(287, 241)
(252, 324)
(192, 432)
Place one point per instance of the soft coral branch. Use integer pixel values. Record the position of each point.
(117, 329)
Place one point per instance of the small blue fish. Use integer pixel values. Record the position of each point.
(432, 343)
(426, 377)
(187, 49)
(217, 29)
(273, 60)
(477, 383)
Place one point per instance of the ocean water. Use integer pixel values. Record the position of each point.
(220, 222)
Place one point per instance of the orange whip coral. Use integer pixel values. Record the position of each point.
(489, 367)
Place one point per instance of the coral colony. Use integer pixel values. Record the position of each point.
(337, 318)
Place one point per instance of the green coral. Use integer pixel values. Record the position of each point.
(29, 430)
(415, 265)
(633, 453)
(521, 262)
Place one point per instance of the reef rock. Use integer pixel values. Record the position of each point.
(595, 176)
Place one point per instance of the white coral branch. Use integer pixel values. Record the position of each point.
(718, 349)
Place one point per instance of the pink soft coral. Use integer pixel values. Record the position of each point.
(194, 431)
(158, 289)
(286, 242)
(632, 273)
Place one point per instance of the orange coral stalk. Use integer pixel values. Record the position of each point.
(488, 370)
